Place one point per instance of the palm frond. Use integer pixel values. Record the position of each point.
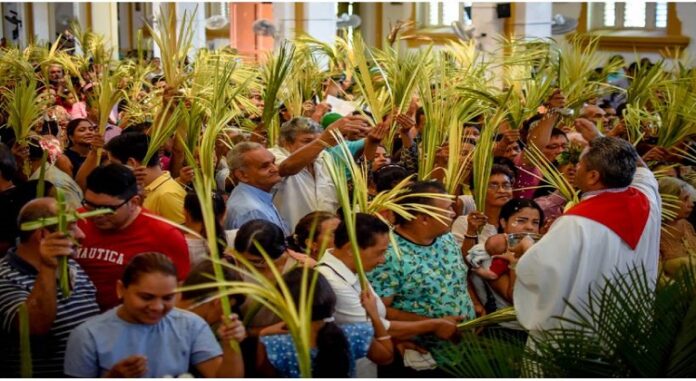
(635, 119)
(626, 328)
(106, 96)
(274, 73)
(372, 97)
(496, 354)
(24, 108)
(502, 315)
(202, 162)
(304, 82)
(483, 157)
(552, 175)
(675, 107)
(576, 64)
(174, 44)
(162, 130)
(646, 80)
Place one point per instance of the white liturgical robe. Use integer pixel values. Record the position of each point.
(578, 252)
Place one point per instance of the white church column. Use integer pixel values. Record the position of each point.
(316, 19)
(104, 18)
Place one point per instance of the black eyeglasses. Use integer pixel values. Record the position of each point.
(113, 208)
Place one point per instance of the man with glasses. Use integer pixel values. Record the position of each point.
(111, 240)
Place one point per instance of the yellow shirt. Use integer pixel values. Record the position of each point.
(165, 197)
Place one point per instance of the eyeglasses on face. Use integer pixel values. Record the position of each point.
(503, 186)
(113, 208)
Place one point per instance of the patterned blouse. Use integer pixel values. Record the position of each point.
(425, 280)
(280, 349)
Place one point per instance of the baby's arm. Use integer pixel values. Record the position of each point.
(485, 273)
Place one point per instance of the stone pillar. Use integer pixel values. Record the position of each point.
(105, 22)
(41, 19)
(198, 24)
(125, 30)
(484, 17)
(320, 20)
(284, 20)
(532, 20)
(316, 19)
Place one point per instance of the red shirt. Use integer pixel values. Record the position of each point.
(499, 266)
(104, 254)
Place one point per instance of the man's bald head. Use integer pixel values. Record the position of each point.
(36, 209)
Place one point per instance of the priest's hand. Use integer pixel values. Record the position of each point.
(522, 246)
(556, 100)
(656, 154)
(587, 129)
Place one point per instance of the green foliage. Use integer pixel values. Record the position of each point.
(494, 354)
(274, 72)
(626, 328)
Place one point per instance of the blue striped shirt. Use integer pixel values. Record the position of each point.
(17, 279)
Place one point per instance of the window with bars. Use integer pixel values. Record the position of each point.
(633, 15)
(442, 13)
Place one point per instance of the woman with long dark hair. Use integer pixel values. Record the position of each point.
(335, 348)
(492, 262)
(193, 219)
(80, 134)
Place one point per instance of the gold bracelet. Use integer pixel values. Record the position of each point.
(383, 338)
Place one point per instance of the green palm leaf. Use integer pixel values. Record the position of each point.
(274, 73)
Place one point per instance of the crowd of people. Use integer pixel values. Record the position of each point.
(278, 207)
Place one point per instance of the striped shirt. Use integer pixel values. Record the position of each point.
(17, 279)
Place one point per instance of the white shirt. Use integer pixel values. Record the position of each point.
(578, 252)
(461, 224)
(346, 285)
(300, 194)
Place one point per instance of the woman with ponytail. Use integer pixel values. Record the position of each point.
(335, 348)
(193, 219)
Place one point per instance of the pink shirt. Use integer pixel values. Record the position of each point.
(78, 110)
(527, 176)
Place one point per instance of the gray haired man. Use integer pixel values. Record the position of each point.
(306, 185)
(256, 171)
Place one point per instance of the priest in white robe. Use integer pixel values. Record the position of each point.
(614, 228)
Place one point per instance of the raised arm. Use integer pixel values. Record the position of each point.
(307, 154)
(540, 134)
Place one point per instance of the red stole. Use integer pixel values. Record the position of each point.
(625, 213)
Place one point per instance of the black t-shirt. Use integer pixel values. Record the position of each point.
(11, 201)
(75, 159)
